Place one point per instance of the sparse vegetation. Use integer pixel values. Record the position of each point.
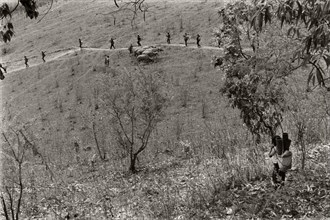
(159, 140)
(184, 96)
(135, 103)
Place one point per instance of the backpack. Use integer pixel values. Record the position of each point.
(285, 161)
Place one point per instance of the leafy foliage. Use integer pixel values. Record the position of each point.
(257, 94)
(30, 7)
(254, 82)
(307, 22)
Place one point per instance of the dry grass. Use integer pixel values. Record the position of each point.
(197, 157)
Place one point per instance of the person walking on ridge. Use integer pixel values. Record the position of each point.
(2, 77)
(198, 39)
(26, 60)
(112, 43)
(168, 38)
(80, 43)
(139, 40)
(4, 68)
(43, 55)
(185, 38)
(130, 49)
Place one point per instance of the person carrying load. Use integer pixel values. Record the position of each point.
(282, 158)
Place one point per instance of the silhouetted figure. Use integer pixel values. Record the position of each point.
(2, 69)
(26, 60)
(80, 43)
(43, 55)
(282, 158)
(107, 60)
(168, 38)
(139, 40)
(2, 77)
(112, 43)
(198, 40)
(185, 38)
(130, 49)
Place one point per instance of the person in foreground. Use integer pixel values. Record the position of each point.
(282, 158)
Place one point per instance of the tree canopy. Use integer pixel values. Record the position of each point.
(286, 36)
(6, 14)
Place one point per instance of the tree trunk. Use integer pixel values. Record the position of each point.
(102, 156)
(303, 158)
(132, 166)
(301, 142)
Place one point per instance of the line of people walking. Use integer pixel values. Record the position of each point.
(186, 37)
(26, 60)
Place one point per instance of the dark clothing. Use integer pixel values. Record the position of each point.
(168, 36)
(112, 43)
(139, 40)
(218, 61)
(43, 55)
(185, 38)
(276, 174)
(130, 49)
(2, 77)
(80, 43)
(26, 60)
(4, 69)
(106, 61)
(198, 39)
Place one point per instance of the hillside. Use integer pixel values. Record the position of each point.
(90, 21)
(200, 162)
(32, 94)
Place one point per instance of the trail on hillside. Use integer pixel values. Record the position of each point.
(57, 56)
(70, 51)
(77, 49)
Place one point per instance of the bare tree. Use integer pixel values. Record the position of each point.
(18, 145)
(12, 194)
(132, 7)
(90, 116)
(135, 103)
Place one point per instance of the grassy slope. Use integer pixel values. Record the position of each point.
(31, 94)
(173, 183)
(70, 20)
